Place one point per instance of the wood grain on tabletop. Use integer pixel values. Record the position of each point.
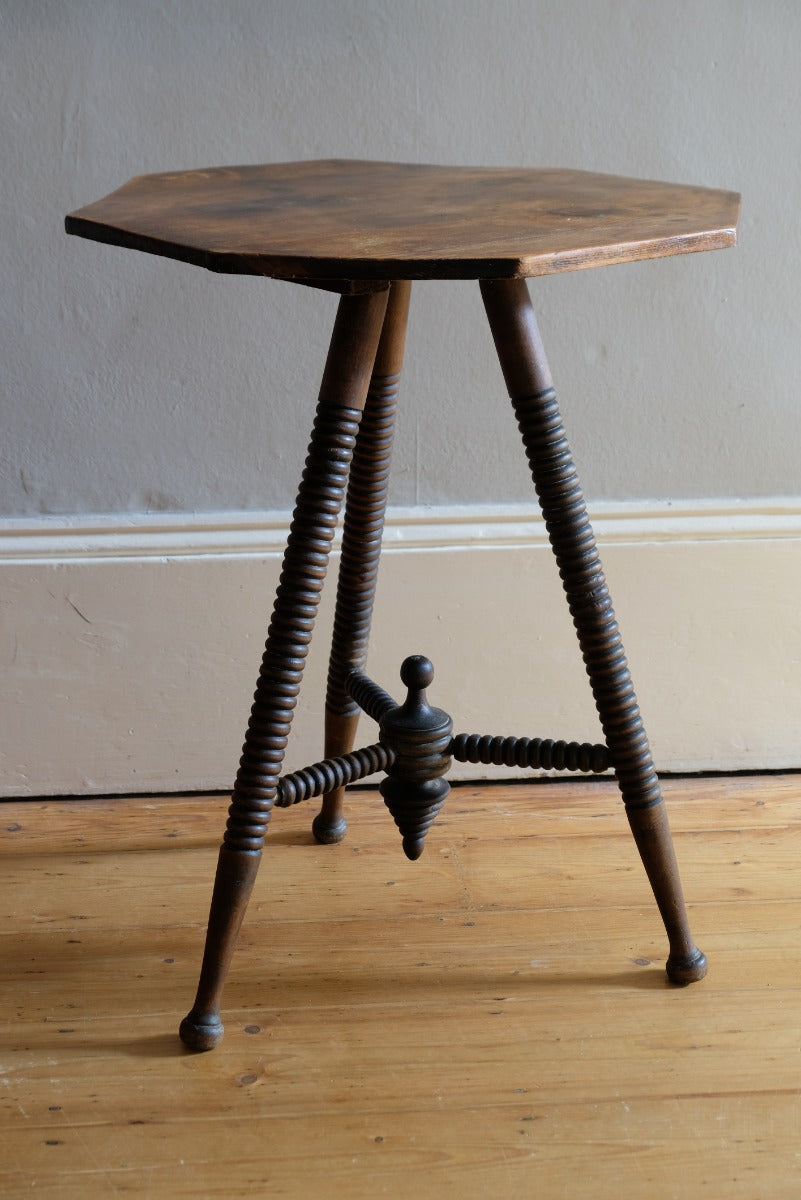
(353, 220)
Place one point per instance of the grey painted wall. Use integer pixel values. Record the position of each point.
(131, 383)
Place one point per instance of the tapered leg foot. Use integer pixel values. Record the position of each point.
(649, 825)
(236, 873)
(199, 1031)
(688, 968)
(329, 827)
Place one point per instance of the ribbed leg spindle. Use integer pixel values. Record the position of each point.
(361, 549)
(342, 396)
(529, 383)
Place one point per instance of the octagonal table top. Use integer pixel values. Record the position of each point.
(350, 225)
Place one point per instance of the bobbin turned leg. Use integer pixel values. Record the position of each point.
(361, 549)
(342, 396)
(528, 379)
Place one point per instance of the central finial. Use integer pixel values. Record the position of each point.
(420, 737)
(417, 674)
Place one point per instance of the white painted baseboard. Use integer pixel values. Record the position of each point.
(130, 645)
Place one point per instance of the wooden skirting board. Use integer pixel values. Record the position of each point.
(130, 645)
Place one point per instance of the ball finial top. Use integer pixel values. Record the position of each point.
(417, 672)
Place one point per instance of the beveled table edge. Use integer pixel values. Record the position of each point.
(354, 274)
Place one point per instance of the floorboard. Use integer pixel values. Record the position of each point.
(491, 1021)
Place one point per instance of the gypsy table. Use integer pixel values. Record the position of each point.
(366, 230)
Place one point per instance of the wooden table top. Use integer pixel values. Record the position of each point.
(348, 224)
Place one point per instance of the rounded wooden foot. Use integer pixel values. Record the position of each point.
(329, 830)
(201, 1031)
(688, 968)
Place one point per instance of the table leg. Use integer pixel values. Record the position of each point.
(361, 549)
(528, 380)
(342, 397)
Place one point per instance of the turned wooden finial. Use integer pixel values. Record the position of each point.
(420, 738)
(417, 674)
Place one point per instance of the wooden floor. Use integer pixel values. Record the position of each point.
(492, 1021)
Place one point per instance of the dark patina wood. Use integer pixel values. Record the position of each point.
(322, 488)
(352, 227)
(365, 505)
(419, 736)
(342, 223)
(543, 754)
(528, 380)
